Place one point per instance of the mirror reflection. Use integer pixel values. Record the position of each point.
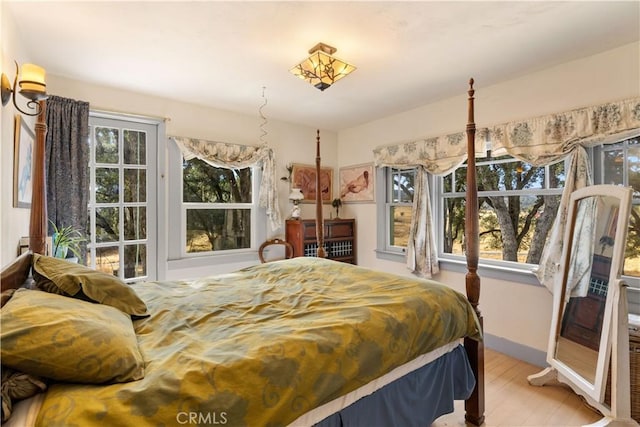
(586, 284)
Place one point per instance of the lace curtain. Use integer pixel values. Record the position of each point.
(539, 141)
(224, 155)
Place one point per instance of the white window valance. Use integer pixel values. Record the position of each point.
(539, 141)
(236, 156)
(438, 155)
(546, 139)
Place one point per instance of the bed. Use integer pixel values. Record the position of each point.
(305, 341)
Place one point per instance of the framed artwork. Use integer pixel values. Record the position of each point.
(23, 139)
(357, 183)
(304, 178)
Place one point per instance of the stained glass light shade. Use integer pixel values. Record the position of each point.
(321, 69)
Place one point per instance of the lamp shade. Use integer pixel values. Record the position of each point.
(32, 82)
(296, 195)
(321, 69)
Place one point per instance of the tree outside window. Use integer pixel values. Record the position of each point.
(518, 203)
(218, 205)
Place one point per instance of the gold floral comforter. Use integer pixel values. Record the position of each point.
(261, 346)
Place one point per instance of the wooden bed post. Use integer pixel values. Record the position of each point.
(474, 406)
(38, 218)
(319, 220)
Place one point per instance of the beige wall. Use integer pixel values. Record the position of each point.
(14, 222)
(516, 312)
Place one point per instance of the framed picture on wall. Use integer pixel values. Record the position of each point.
(357, 183)
(304, 178)
(23, 139)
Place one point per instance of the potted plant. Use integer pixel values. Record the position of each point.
(336, 203)
(66, 239)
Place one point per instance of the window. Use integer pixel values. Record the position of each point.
(213, 212)
(619, 164)
(398, 207)
(121, 204)
(218, 207)
(517, 206)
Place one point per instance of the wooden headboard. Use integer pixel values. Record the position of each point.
(16, 273)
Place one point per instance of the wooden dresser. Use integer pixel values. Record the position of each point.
(339, 238)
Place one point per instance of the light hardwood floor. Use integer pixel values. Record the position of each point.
(511, 402)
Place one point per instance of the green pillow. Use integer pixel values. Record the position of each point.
(62, 277)
(66, 339)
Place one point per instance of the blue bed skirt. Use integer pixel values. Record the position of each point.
(415, 399)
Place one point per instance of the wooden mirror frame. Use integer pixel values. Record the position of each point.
(614, 336)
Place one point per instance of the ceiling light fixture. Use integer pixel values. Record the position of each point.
(321, 69)
(32, 86)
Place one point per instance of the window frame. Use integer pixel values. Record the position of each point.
(384, 249)
(597, 157)
(178, 258)
(153, 128)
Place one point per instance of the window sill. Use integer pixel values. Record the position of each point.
(207, 260)
(391, 256)
(523, 275)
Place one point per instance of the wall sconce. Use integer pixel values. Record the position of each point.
(32, 86)
(321, 69)
(296, 196)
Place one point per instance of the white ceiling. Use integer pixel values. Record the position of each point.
(222, 54)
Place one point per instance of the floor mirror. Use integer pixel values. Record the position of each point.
(589, 338)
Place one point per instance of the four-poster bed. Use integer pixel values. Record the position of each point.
(304, 341)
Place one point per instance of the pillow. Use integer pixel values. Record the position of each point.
(58, 276)
(17, 386)
(68, 340)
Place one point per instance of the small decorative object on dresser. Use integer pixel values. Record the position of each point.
(336, 203)
(295, 196)
(339, 241)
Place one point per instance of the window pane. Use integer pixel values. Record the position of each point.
(135, 223)
(135, 185)
(135, 145)
(614, 167)
(461, 179)
(400, 222)
(108, 260)
(106, 145)
(557, 175)
(513, 228)
(207, 184)
(107, 185)
(107, 225)
(509, 176)
(447, 183)
(453, 225)
(403, 184)
(135, 261)
(218, 229)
